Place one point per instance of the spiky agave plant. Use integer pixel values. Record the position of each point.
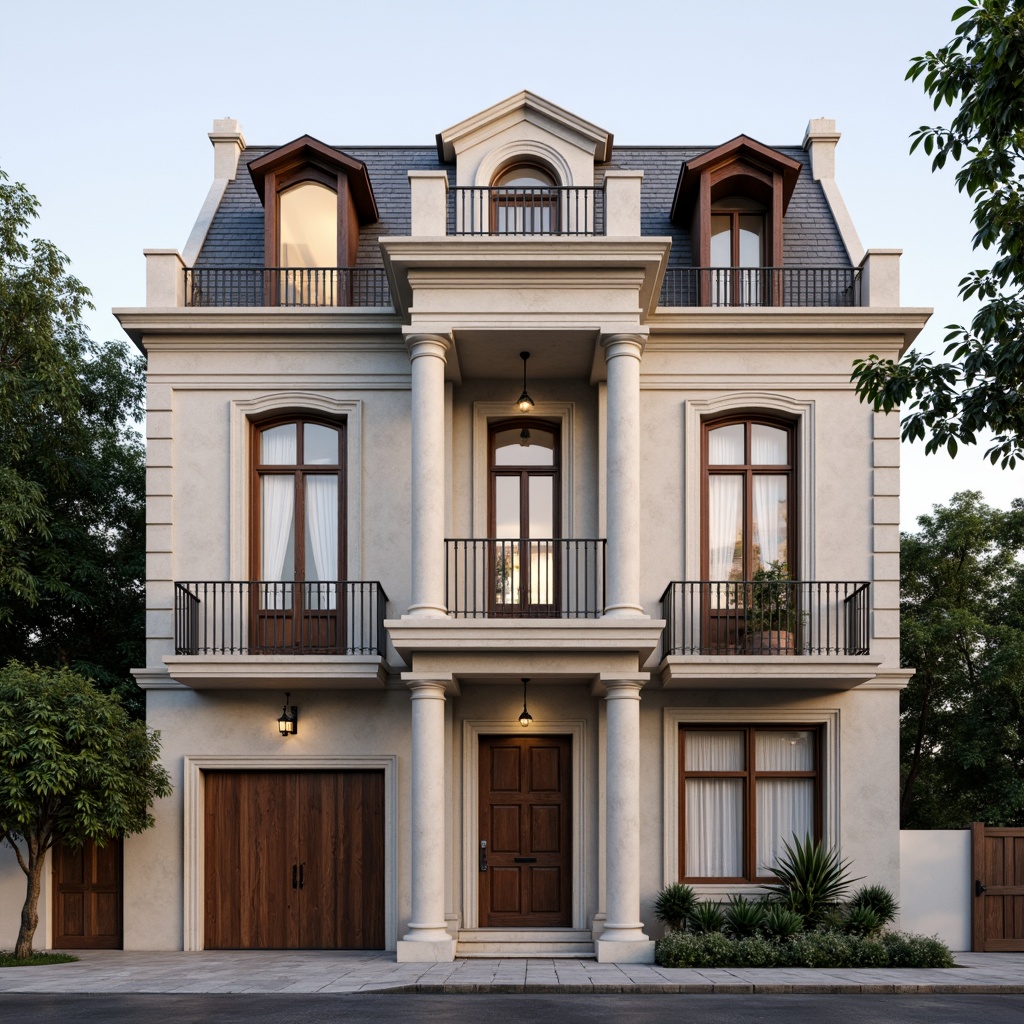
(674, 905)
(812, 879)
(707, 917)
(877, 898)
(744, 917)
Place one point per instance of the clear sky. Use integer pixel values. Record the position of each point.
(105, 106)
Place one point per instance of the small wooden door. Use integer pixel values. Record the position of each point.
(526, 821)
(997, 918)
(87, 896)
(294, 860)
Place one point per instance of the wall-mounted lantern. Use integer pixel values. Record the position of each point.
(288, 724)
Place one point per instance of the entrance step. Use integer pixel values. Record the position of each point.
(539, 943)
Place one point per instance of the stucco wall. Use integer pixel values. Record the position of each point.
(935, 884)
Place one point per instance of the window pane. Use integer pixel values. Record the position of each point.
(278, 446)
(725, 527)
(785, 809)
(308, 226)
(277, 522)
(768, 445)
(512, 449)
(506, 506)
(319, 445)
(725, 445)
(714, 828)
(771, 519)
(321, 527)
(721, 240)
(714, 751)
(751, 229)
(789, 751)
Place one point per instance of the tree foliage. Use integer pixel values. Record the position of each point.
(74, 766)
(962, 630)
(72, 469)
(980, 384)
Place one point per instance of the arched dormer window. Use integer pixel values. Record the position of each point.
(524, 201)
(733, 200)
(315, 198)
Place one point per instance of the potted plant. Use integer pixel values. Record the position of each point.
(772, 614)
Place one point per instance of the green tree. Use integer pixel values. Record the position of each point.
(962, 630)
(980, 384)
(72, 469)
(73, 766)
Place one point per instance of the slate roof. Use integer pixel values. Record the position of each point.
(235, 237)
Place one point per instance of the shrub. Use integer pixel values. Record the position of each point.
(879, 899)
(812, 879)
(780, 923)
(707, 917)
(743, 917)
(862, 920)
(674, 905)
(757, 951)
(680, 949)
(916, 951)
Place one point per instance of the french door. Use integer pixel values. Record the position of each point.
(524, 522)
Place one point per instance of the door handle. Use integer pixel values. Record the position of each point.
(302, 876)
(295, 876)
(483, 854)
(979, 888)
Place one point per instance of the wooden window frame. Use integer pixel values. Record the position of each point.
(750, 776)
(517, 198)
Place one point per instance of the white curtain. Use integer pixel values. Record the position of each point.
(785, 808)
(322, 539)
(789, 751)
(714, 751)
(769, 518)
(714, 807)
(277, 506)
(724, 500)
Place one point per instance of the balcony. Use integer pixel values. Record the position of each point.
(265, 617)
(286, 286)
(526, 211)
(762, 286)
(520, 578)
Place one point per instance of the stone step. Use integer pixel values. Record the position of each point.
(547, 943)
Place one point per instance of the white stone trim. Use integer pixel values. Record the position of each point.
(522, 151)
(675, 716)
(696, 411)
(472, 730)
(484, 413)
(194, 794)
(243, 411)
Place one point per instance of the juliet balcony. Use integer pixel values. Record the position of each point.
(264, 632)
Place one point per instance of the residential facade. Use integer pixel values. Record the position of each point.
(519, 425)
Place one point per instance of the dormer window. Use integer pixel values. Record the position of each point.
(737, 242)
(524, 201)
(315, 199)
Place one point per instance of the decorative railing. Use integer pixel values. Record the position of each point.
(766, 617)
(510, 210)
(268, 617)
(286, 286)
(761, 286)
(525, 578)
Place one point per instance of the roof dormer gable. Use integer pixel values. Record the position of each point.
(524, 129)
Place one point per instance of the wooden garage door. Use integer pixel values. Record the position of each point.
(294, 860)
(998, 904)
(87, 896)
(526, 822)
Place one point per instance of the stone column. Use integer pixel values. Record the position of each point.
(427, 939)
(622, 354)
(623, 939)
(428, 353)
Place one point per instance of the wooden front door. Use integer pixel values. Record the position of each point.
(294, 860)
(87, 896)
(997, 855)
(526, 821)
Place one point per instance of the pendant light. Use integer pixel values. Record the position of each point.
(525, 718)
(525, 403)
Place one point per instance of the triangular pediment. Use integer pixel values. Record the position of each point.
(529, 107)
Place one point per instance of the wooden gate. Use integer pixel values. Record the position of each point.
(997, 907)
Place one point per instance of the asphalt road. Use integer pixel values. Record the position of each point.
(508, 1009)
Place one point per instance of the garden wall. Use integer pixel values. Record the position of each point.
(935, 885)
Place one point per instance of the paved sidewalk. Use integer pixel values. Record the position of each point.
(328, 972)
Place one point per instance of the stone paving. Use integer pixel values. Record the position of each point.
(328, 972)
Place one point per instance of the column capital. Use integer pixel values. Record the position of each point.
(623, 689)
(426, 688)
(623, 345)
(436, 345)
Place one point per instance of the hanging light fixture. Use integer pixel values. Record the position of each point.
(525, 402)
(525, 718)
(288, 724)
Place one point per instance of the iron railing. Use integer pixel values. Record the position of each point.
(286, 286)
(525, 578)
(509, 210)
(269, 617)
(761, 286)
(766, 617)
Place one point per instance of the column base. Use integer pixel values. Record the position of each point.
(611, 951)
(425, 951)
(624, 611)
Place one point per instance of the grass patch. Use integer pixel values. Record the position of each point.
(8, 959)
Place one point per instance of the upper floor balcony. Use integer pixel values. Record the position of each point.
(286, 286)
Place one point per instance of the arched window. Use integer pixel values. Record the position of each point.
(308, 226)
(524, 201)
(298, 534)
